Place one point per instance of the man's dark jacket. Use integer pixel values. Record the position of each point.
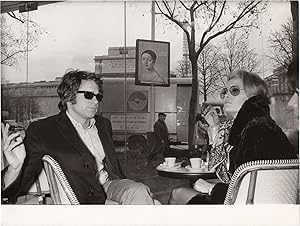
(254, 136)
(57, 137)
(161, 131)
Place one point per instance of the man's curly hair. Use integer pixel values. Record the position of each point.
(71, 81)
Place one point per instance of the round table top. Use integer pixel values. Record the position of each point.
(185, 172)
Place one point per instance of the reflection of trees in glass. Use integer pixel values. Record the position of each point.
(281, 42)
(4, 103)
(21, 105)
(23, 108)
(14, 37)
(295, 18)
(203, 21)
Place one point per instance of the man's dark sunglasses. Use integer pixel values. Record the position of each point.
(89, 95)
(234, 91)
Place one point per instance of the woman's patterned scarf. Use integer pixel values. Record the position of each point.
(219, 153)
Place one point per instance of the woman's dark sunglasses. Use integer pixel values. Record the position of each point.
(234, 91)
(89, 95)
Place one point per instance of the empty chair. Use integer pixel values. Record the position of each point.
(265, 182)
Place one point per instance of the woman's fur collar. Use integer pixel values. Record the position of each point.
(253, 107)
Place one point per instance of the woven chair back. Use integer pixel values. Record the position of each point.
(265, 182)
(60, 189)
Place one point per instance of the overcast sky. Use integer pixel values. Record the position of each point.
(78, 31)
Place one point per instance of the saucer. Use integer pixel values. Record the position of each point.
(195, 170)
(164, 166)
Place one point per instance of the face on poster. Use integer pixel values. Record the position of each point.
(152, 63)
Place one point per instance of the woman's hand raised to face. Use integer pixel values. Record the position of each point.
(216, 120)
(213, 129)
(12, 147)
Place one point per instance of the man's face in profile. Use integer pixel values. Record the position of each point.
(85, 108)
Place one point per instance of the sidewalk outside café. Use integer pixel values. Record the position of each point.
(137, 170)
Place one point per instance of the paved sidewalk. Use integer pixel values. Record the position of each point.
(161, 187)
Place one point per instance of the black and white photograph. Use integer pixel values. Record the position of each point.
(150, 113)
(153, 63)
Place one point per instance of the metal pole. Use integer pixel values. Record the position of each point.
(125, 89)
(153, 20)
(152, 87)
(27, 43)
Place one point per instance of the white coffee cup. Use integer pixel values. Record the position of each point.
(196, 163)
(170, 161)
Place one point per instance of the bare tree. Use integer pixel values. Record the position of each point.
(203, 21)
(15, 45)
(215, 63)
(295, 21)
(236, 54)
(183, 69)
(281, 42)
(21, 104)
(210, 77)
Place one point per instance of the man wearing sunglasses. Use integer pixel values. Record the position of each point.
(81, 142)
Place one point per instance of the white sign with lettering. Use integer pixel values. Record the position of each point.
(134, 122)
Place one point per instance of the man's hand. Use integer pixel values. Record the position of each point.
(12, 147)
(103, 177)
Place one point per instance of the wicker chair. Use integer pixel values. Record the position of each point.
(38, 192)
(60, 189)
(265, 182)
(39, 189)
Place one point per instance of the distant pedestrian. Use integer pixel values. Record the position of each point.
(161, 135)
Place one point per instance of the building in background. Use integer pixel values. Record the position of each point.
(113, 64)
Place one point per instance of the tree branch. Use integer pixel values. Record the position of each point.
(12, 14)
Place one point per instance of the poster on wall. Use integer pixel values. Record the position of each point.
(152, 63)
(137, 101)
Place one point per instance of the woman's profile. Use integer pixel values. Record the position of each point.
(149, 74)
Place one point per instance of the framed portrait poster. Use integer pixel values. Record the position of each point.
(152, 66)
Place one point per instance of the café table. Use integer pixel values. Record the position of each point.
(187, 172)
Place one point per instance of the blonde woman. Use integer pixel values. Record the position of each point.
(253, 136)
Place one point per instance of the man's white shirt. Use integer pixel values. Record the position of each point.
(91, 139)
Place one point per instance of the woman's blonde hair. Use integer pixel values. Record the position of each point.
(253, 84)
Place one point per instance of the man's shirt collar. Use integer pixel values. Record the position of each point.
(77, 124)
